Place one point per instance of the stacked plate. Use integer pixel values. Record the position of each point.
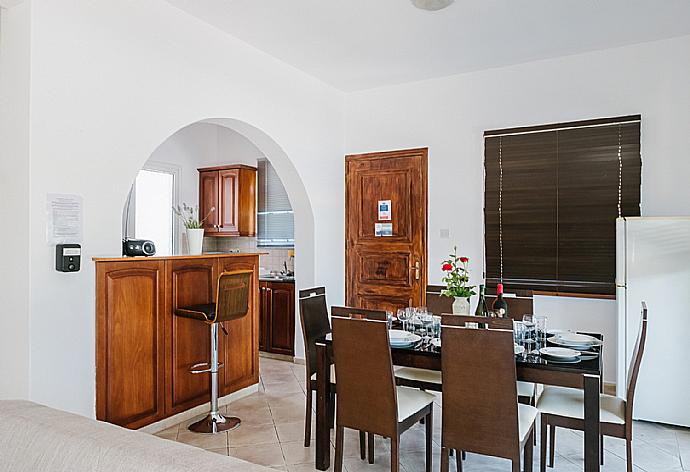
(403, 339)
(580, 342)
(560, 354)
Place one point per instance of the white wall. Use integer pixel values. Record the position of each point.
(110, 83)
(450, 114)
(15, 31)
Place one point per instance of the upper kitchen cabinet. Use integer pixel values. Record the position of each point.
(232, 191)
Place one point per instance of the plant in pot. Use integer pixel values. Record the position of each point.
(456, 278)
(194, 226)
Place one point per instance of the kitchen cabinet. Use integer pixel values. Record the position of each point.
(277, 319)
(231, 190)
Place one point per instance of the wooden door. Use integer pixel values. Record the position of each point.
(228, 180)
(239, 350)
(386, 272)
(129, 343)
(282, 319)
(191, 281)
(208, 198)
(264, 316)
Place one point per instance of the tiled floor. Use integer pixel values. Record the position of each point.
(272, 434)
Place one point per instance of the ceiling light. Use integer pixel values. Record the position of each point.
(431, 5)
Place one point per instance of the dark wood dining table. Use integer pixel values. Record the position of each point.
(585, 375)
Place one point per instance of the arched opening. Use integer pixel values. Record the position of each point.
(169, 176)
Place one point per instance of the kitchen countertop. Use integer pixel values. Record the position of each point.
(270, 278)
(207, 255)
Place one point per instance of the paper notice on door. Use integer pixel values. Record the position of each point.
(383, 229)
(384, 210)
(63, 218)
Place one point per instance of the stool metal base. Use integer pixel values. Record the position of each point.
(215, 423)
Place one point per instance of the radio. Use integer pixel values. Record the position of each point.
(138, 247)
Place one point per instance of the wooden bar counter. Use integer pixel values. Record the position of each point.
(143, 351)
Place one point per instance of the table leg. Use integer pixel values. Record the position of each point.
(323, 428)
(592, 425)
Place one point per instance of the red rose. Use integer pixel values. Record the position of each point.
(464, 259)
(446, 267)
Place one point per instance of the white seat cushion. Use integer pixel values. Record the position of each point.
(526, 416)
(525, 389)
(569, 402)
(418, 375)
(313, 377)
(411, 400)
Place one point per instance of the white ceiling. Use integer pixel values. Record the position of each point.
(359, 44)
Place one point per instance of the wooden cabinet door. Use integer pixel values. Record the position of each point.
(386, 271)
(282, 319)
(264, 316)
(188, 341)
(240, 348)
(209, 189)
(229, 197)
(130, 343)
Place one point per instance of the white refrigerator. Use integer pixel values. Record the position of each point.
(653, 264)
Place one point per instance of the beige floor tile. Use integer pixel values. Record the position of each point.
(170, 433)
(286, 387)
(223, 451)
(247, 435)
(296, 453)
(293, 431)
(205, 441)
(268, 454)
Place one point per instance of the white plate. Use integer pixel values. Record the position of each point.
(436, 342)
(559, 352)
(399, 335)
(409, 341)
(588, 355)
(519, 349)
(575, 338)
(580, 347)
(563, 361)
(554, 332)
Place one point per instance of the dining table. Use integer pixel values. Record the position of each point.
(529, 367)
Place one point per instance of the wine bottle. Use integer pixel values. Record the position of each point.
(500, 307)
(482, 308)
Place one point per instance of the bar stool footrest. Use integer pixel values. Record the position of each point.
(196, 368)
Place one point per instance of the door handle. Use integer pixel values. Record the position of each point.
(417, 270)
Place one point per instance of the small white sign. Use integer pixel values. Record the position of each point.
(383, 229)
(384, 210)
(63, 218)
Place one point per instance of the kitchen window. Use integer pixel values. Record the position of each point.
(276, 227)
(552, 194)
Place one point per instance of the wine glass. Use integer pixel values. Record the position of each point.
(402, 316)
(540, 330)
(528, 322)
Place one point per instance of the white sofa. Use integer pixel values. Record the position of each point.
(37, 438)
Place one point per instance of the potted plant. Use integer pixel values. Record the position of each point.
(194, 226)
(457, 278)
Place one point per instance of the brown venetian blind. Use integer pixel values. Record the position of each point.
(551, 201)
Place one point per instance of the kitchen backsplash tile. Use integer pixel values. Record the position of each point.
(273, 261)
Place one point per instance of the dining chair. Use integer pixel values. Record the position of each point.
(368, 399)
(564, 407)
(481, 413)
(315, 324)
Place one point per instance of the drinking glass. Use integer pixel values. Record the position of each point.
(389, 319)
(411, 315)
(540, 330)
(529, 334)
(436, 326)
(402, 316)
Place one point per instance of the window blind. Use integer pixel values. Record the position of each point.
(275, 216)
(552, 195)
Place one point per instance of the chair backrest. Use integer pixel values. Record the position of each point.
(477, 321)
(634, 369)
(365, 383)
(480, 410)
(232, 299)
(351, 312)
(313, 313)
(437, 303)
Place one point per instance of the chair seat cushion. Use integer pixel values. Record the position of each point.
(569, 402)
(525, 389)
(411, 400)
(526, 416)
(418, 375)
(202, 312)
(313, 376)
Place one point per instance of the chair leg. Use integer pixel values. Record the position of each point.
(370, 442)
(445, 459)
(362, 445)
(601, 448)
(552, 444)
(458, 461)
(395, 453)
(339, 432)
(542, 452)
(463, 455)
(307, 420)
(516, 464)
(529, 452)
(331, 410)
(429, 422)
(628, 454)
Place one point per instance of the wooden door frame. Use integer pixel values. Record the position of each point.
(425, 223)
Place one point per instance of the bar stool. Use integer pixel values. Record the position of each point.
(232, 303)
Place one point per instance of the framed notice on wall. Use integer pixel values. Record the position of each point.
(384, 210)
